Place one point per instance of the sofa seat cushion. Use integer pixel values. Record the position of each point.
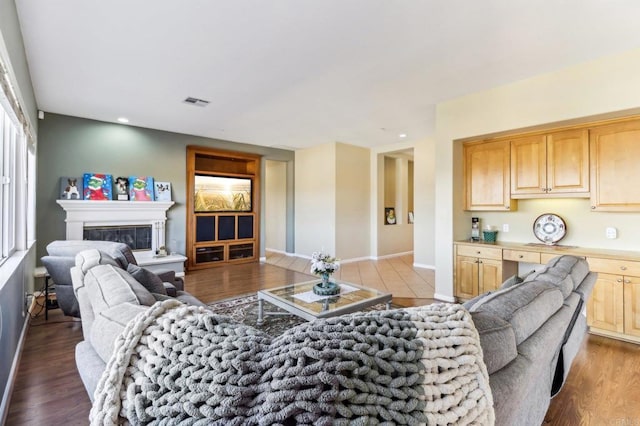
(497, 340)
(108, 325)
(526, 306)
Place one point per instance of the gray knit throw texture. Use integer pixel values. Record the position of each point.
(183, 365)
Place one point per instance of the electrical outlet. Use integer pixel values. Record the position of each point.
(612, 233)
(505, 227)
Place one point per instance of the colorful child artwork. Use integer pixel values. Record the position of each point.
(70, 188)
(163, 191)
(141, 188)
(97, 186)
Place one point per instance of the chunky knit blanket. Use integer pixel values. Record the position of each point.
(185, 365)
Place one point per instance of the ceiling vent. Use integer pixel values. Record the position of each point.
(196, 102)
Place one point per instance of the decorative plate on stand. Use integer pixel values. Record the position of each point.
(549, 228)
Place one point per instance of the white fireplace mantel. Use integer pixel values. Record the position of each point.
(86, 213)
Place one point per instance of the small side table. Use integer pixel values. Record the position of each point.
(41, 272)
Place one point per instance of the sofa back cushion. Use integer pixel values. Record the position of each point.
(497, 340)
(566, 272)
(526, 306)
(108, 286)
(120, 252)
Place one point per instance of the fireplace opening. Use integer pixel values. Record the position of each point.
(137, 237)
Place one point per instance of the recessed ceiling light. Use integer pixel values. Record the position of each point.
(402, 135)
(123, 119)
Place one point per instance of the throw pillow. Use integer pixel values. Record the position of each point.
(148, 279)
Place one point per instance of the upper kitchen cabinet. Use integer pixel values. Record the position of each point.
(615, 171)
(486, 176)
(550, 165)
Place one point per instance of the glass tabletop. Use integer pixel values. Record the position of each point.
(301, 296)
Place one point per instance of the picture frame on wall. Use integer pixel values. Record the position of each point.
(97, 186)
(162, 191)
(390, 216)
(140, 188)
(70, 188)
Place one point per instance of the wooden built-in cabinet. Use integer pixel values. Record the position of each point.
(615, 171)
(222, 228)
(614, 307)
(550, 165)
(486, 176)
(613, 310)
(480, 269)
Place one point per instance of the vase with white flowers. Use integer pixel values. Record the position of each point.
(324, 264)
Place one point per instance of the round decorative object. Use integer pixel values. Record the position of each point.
(326, 287)
(549, 228)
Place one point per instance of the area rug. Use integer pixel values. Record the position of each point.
(244, 309)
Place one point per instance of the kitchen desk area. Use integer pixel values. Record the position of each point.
(614, 307)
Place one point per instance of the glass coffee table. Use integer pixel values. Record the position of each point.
(299, 299)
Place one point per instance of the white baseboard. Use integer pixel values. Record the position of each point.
(444, 298)
(420, 265)
(390, 256)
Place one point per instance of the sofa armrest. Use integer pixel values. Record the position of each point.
(169, 276)
(170, 289)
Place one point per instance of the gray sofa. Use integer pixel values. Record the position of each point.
(108, 298)
(61, 257)
(530, 331)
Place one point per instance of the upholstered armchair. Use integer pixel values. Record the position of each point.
(62, 257)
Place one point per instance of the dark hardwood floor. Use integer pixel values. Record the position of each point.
(603, 387)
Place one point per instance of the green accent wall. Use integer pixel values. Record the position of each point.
(71, 146)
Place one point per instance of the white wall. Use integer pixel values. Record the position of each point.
(424, 244)
(353, 192)
(315, 199)
(576, 94)
(275, 202)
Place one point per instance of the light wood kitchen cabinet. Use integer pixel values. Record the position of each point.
(550, 165)
(480, 269)
(487, 177)
(605, 310)
(614, 307)
(615, 149)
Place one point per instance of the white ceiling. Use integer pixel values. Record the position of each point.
(296, 73)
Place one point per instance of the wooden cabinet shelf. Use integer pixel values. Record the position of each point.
(222, 224)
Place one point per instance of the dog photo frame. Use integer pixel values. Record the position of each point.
(71, 188)
(121, 188)
(162, 191)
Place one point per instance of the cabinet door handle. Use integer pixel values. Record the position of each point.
(520, 256)
(479, 261)
(619, 280)
(478, 252)
(624, 268)
(593, 207)
(627, 281)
